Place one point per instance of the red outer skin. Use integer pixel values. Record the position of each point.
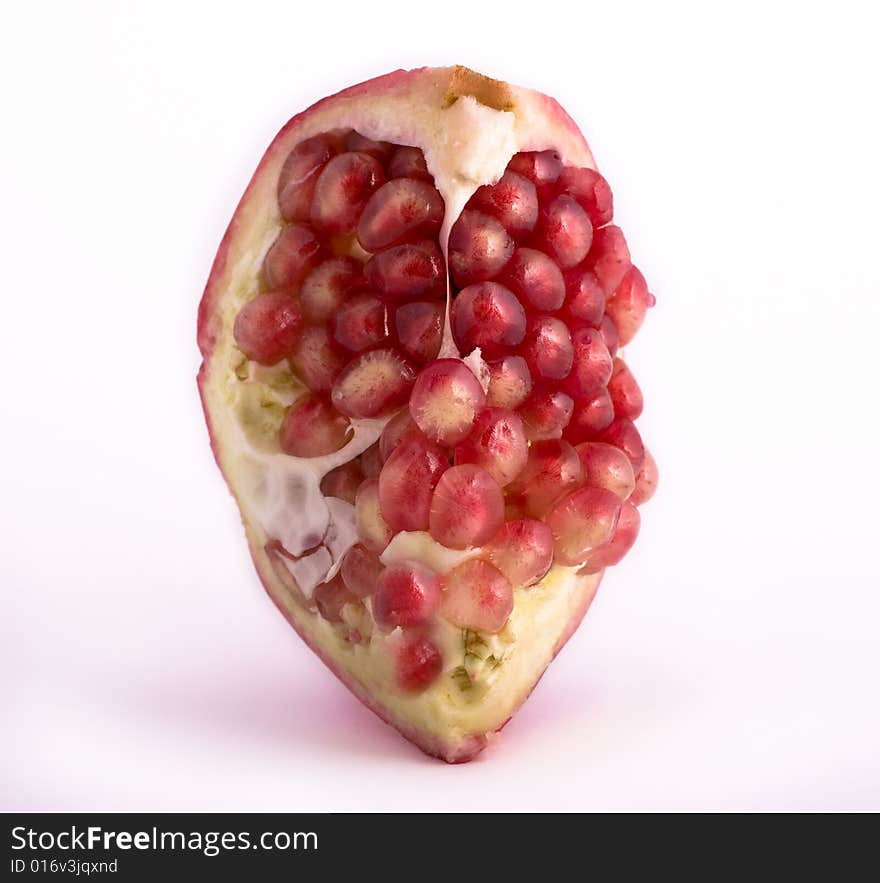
(468, 748)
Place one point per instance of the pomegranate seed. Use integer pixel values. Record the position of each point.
(372, 527)
(551, 471)
(419, 328)
(343, 481)
(371, 461)
(541, 168)
(316, 360)
(621, 542)
(591, 365)
(467, 507)
(608, 330)
(361, 570)
(646, 481)
(293, 255)
(609, 258)
(327, 286)
(623, 434)
(547, 348)
(395, 429)
(581, 522)
(509, 382)
(374, 384)
(591, 191)
(476, 595)
(535, 279)
(488, 316)
(402, 209)
(409, 162)
(342, 191)
(361, 323)
(408, 271)
(312, 428)
(267, 327)
(624, 391)
(565, 231)
(513, 201)
(546, 413)
(479, 248)
(592, 415)
(419, 663)
(408, 593)
(628, 305)
(608, 467)
(584, 298)
(444, 401)
(407, 482)
(522, 550)
(296, 183)
(497, 443)
(331, 597)
(381, 150)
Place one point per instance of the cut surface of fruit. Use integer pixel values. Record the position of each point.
(413, 387)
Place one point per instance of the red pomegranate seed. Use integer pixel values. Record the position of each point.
(316, 359)
(361, 570)
(581, 522)
(293, 255)
(267, 327)
(608, 330)
(395, 429)
(419, 327)
(564, 232)
(623, 434)
(331, 597)
(374, 384)
(551, 471)
(488, 316)
(584, 298)
(408, 593)
(296, 183)
(541, 168)
(326, 287)
(343, 481)
(592, 414)
(400, 210)
(408, 271)
(312, 427)
(546, 413)
(479, 248)
(372, 527)
(522, 550)
(381, 150)
(407, 482)
(419, 663)
(467, 507)
(590, 190)
(409, 162)
(476, 595)
(509, 382)
(342, 191)
(444, 401)
(624, 391)
(609, 258)
(591, 365)
(621, 542)
(535, 279)
(547, 348)
(360, 323)
(628, 305)
(513, 201)
(646, 481)
(497, 443)
(371, 461)
(608, 467)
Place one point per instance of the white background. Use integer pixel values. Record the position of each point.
(731, 662)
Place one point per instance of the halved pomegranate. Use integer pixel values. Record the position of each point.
(412, 383)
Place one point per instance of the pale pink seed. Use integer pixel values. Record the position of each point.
(608, 330)
(373, 384)
(509, 382)
(489, 316)
(361, 323)
(479, 248)
(565, 232)
(407, 482)
(552, 470)
(408, 271)
(608, 467)
(535, 279)
(343, 481)
(418, 663)
(584, 298)
(327, 286)
(293, 255)
(546, 413)
(401, 210)
(522, 550)
(316, 359)
(267, 328)
(312, 427)
(591, 363)
(476, 595)
(609, 258)
(296, 183)
(445, 399)
(395, 429)
(623, 434)
(590, 190)
(371, 461)
(331, 597)
(624, 391)
(592, 414)
(372, 528)
(361, 570)
(467, 507)
(513, 200)
(629, 304)
(409, 162)
(547, 348)
(419, 327)
(407, 594)
(646, 481)
(381, 150)
(342, 191)
(621, 542)
(581, 522)
(541, 168)
(496, 443)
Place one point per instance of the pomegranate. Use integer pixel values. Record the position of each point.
(414, 388)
